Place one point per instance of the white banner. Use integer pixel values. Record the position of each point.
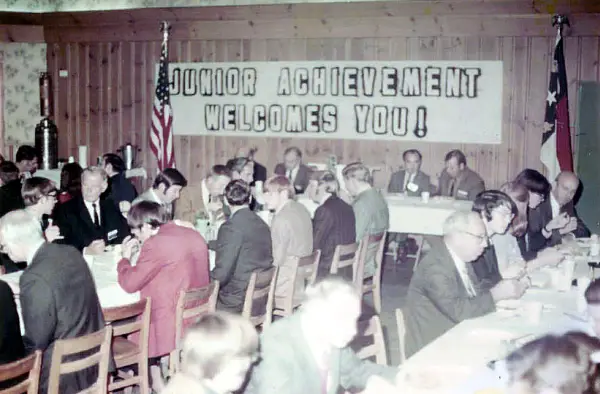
(426, 101)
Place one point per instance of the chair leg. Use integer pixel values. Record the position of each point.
(377, 296)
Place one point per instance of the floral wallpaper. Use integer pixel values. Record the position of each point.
(93, 5)
(22, 66)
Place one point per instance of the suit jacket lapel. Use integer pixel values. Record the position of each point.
(85, 214)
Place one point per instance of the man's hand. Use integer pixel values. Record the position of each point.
(52, 233)
(558, 222)
(124, 207)
(95, 247)
(569, 227)
(508, 289)
(129, 247)
(515, 270)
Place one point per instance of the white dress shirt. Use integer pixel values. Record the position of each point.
(408, 178)
(555, 206)
(461, 266)
(291, 174)
(90, 208)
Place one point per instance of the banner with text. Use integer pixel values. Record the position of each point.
(430, 101)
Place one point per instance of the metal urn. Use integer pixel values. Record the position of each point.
(128, 153)
(46, 132)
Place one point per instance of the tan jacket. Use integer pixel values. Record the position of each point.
(190, 203)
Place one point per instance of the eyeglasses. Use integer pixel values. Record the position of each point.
(482, 238)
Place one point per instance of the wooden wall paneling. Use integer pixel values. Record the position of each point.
(135, 135)
(512, 154)
(183, 153)
(148, 160)
(519, 99)
(94, 86)
(57, 55)
(573, 58)
(113, 97)
(127, 132)
(540, 56)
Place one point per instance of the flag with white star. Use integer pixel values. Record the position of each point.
(556, 153)
(161, 131)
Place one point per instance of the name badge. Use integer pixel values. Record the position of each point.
(462, 193)
(112, 235)
(412, 187)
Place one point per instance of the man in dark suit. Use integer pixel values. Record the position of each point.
(411, 180)
(333, 222)
(57, 292)
(458, 180)
(444, 290)
(293, 169)
(27, 159)
(243, 245)
(119, 187)
(497, 211)
(10, 191)
(260, 172)
(556, 215)
(88, 222)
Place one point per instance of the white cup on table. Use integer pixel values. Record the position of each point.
(533, 311)
(425, 197)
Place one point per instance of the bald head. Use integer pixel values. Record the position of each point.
(565, 187)
(465, 235)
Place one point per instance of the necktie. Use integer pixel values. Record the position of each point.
(96, 218)
(468, 283)
(451, 188)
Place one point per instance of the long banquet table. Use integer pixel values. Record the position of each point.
(411, 215)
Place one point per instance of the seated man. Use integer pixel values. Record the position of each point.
(308, 351)
(39, 195)
(205, 198)
(291, 232)
(165, 189)
(371, 211)
(27, 159)
(119, 187)
(411, 180)
(260, 172)
(497, 211)
(443, 290)
(58, 294)
(87, 222)
(334, 222)
(294, 170)
(243, 245)
(457, 180)
(556, 215)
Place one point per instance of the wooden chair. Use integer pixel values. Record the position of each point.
(30, 365)
(345, 256)
(258, 303)
(304, 271)
(371, 246)
(191, 304)
(126, 320)
(401, 334)
(87, 343)
(371, 331)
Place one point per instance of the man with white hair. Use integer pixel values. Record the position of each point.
(88, 222)
(308, 351)
(444, 289)
(57, 292)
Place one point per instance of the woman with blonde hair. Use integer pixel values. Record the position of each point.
(217, 352)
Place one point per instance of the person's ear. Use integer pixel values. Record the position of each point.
(104, 186)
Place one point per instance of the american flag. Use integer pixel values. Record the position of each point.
(161, 133)
(556, 151)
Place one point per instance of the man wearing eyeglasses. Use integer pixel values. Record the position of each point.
(444, 289)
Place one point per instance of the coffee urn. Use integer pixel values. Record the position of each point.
(46, 132)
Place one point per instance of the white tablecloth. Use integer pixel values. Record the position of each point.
(456, 362)
(411, 215)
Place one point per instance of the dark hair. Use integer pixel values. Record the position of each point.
(411, 152)
(592, 293)
(294, 149)
(117, 164)
(486, 201)
(237, 193)
(147, 212)
(35, 188)
(460, 157)
(237, 164)
(220, 170)
(519, 194)
(26, 152)
(8, 171)
(169, 177)
(70, 178)
(534, 181)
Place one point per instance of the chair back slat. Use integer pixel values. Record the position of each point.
(98, 343)
(258, 303)
(304, 272)
(117, 314)
(193, 303)
(372, 246)
(401, 334)
(30, 365)
(371, 329)
(344, 256)
(308, 267)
